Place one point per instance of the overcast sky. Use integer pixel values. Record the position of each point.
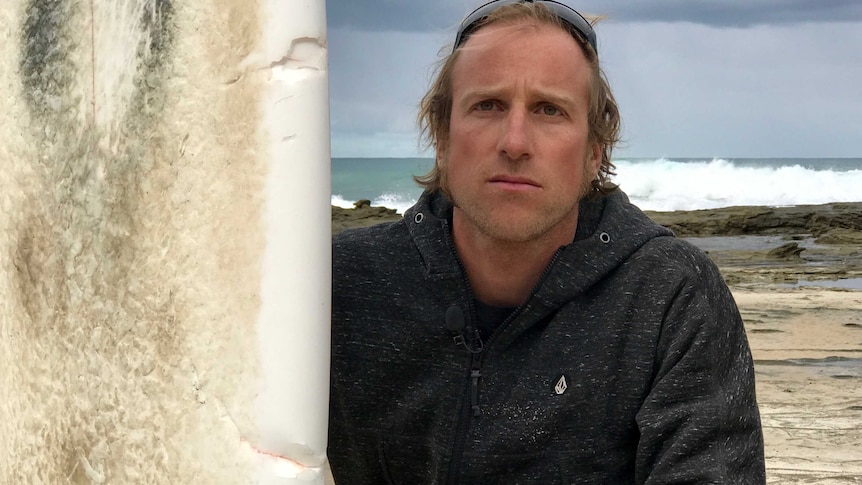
(707, 78)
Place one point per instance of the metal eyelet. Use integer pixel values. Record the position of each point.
(605, 237)
(419, 218)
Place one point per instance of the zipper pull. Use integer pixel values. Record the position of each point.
(476, 344)
(475, 374)
(455, 324)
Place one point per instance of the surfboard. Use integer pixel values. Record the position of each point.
(164, 241)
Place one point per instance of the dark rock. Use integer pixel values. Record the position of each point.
(840, 236)
(735, 221)
(363, 216)
(786, 251)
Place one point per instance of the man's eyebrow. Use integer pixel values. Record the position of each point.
(481, 93)
(548, 96)
(558, 98)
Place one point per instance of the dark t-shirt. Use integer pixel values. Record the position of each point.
(490, 317)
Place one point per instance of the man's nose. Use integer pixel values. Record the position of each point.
(515, 140)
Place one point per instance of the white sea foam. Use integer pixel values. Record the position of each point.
(672, 185)
(339, 201)
(399, 202)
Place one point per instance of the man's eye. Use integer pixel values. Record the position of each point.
(485, 105)
(551, 110)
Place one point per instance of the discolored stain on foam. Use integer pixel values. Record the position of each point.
(46, 70)
(80, 258)
(78, 237)
(135, 241)
(156, 21)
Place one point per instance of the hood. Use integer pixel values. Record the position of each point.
(610, 230)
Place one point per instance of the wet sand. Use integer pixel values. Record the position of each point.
(807, 346)
(803, 315)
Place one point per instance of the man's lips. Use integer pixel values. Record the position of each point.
(513, 182)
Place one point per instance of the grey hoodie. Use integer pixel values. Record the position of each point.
(627, 364)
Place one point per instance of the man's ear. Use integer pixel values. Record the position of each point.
(440, 165)
(595, 160)
(440, 154)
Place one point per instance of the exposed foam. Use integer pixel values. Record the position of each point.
(131, 273)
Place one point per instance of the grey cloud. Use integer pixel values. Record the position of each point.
(395, 15)
(736, 13)
(424, 15)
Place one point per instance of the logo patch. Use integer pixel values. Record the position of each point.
(561, 386)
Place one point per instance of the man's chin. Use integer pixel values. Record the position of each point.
(515, 230)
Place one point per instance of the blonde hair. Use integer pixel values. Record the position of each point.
(435, 108)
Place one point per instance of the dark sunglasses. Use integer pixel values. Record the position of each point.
(576, 22)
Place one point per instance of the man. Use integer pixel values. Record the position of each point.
(524, 323)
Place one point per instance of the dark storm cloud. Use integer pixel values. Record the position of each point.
(424, 15)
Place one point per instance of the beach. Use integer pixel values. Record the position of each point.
(807, 346)
(796, 274)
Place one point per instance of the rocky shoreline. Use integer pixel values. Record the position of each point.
(782, 245)
(830, 223)
(817, 220)
(750, 244)
(362, 215)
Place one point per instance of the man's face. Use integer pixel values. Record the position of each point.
(518, 160)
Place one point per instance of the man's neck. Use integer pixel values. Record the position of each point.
(504, 273)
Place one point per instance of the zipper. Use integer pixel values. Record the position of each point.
(475, 375)
(476, 346)
(465, 417)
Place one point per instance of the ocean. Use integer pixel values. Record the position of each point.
(662, 184)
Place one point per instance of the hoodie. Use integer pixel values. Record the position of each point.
(628, 363)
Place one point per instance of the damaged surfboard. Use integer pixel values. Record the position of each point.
(164, 241)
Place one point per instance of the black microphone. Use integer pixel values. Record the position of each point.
(456, 323)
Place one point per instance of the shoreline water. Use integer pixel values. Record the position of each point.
(661, 184)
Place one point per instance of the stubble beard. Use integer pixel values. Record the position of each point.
(496, 224)
(507, 228)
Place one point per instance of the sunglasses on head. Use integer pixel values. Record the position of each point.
(576, 22)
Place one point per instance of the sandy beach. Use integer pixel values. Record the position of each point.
(796, 274)
(807, 346)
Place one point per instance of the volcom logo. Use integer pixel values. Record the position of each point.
(561, 385)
